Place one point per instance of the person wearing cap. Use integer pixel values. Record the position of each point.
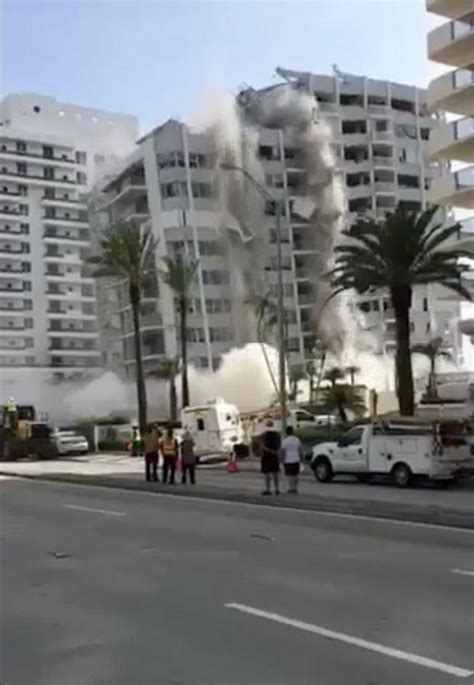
(270, 457)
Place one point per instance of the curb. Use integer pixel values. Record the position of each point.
(433, 515)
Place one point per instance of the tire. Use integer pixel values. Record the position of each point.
(363, 477)
(322, 470)
(401, 475)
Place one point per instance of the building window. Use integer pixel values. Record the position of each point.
(201, 189)
(23, 190)
(81, 178)
(48, 172)
(174, 189)
(47, 152)
(28, 322)
(81, 157)
(425, 304)
(25, 229)
(20, 146)
(170, 159)
(21, 168)
(25, 248)
(215, 277)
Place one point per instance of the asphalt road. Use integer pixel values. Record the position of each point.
(108, 587)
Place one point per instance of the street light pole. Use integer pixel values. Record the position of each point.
(279, 211)
(281, 322)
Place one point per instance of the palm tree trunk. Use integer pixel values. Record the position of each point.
(311, 388)
(139, 371)
(183, 316)
(401, 300)
(173, 399)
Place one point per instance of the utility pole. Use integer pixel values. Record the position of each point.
(281, 321)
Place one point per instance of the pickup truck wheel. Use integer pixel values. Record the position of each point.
(323, 470)
(401, 475)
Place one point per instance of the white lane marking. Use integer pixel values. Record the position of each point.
(108, 512)
(462, 572)
(267, 507)
(355, 641)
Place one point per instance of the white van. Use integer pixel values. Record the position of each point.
(399, 451)
(216, 427)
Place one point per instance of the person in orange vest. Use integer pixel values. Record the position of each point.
(169, 450)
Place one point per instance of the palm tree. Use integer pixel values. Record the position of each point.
(433, 349)
(180, 276)
(266, 312)
(334, 374)
(167, 370)
(404, 250)
(342, 397)
(352, 371)
(127, 251)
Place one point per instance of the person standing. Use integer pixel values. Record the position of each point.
(151, 454)
(169, 450)
(270, 459)
(188, 459)
(292, 454)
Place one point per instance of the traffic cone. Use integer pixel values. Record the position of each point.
(232, 463)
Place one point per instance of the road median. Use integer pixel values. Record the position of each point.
(370, 508)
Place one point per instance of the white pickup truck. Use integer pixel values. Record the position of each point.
(399, 451)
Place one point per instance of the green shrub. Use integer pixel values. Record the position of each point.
(112, 446)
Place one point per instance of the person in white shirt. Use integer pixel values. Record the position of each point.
(292, 454)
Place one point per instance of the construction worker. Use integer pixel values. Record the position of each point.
(136, 442)
(12, 418)
(169, 449)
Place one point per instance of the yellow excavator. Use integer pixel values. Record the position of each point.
(21, 435)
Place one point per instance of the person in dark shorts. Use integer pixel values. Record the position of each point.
(188, 459)
(151, 454)
(270, 459)
(292, 454)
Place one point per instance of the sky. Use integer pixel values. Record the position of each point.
(159, 59)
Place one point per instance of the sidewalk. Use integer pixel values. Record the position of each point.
(443, 506)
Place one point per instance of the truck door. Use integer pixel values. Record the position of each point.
(352, 457)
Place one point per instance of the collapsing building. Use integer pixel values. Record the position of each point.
(327, 150)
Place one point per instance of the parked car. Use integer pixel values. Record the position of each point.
(69, 442)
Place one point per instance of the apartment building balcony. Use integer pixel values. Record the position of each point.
(12, 249)
(129, 189)
(360, 190)
(52, 237)
(65, 221)
(383, 161)
(72, 333)
(449, 8)
(39, 181)
(63, 202)
(13, 272)
(454, 189)
(15, 288)
(385, 187)
(453, 42)
(7, 213)
(355, 138)
(134, 214)
(452, 92)
(64, 314)
(22, 155)
(454, 140)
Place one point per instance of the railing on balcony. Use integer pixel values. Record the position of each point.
(39, 178)
(464, 178)
(37, 155)
(462, 78)
(463, 128)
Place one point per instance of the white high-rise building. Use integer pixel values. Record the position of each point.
(50, 154)
(380, 140)
(452, 95)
